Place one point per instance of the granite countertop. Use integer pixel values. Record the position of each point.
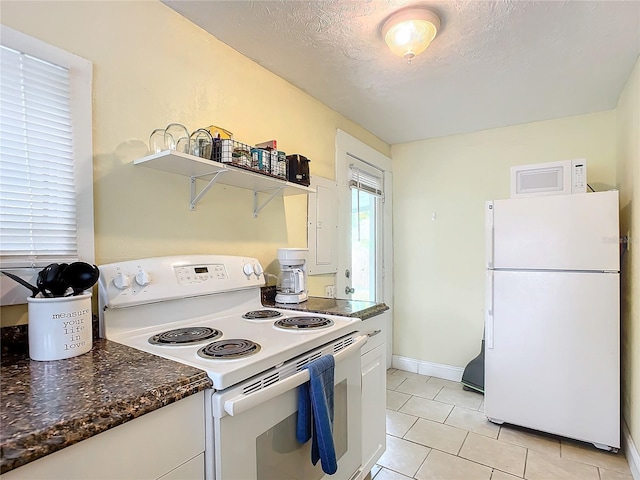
(47, 406)
(329, 306)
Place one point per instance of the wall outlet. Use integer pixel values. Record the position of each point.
(330, 291)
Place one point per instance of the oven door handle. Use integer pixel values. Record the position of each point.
(242, 403)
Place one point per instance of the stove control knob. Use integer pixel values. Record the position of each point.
(257, 269)
(247, 269)
(142, 278)
(122, 281)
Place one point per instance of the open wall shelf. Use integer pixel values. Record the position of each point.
(197, 168)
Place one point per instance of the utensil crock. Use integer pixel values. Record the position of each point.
(59, 327)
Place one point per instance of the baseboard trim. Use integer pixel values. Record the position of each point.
(440, 370)
(630, 450)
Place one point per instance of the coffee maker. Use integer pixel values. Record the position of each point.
(292, 281)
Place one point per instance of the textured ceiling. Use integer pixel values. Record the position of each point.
(493, 63)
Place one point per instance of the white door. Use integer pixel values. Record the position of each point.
(365, 249)
(364, 203)
(552, 353)
(364, 270)
(561, 232)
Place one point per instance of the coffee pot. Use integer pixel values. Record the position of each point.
(292, 281)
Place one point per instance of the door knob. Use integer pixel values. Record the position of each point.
(348, 290)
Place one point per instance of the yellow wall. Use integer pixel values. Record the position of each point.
(152, 67)
(628, 127)
(439, 264)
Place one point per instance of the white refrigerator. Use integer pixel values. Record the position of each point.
(552, 329)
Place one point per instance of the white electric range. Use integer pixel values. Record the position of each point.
(206, 311)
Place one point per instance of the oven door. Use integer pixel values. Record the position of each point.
(254, 435)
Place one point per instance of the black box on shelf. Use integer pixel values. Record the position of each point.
(298, 169)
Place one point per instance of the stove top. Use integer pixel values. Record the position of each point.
(193, 308)
(275, 344)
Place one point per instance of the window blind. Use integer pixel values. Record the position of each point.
(365, 181)
(38, 211)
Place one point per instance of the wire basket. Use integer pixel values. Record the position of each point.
(267, 162)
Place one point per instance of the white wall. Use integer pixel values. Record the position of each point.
(439, 264)
(628, 143)
(152, 67)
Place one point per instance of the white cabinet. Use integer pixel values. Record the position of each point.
(373, 407)
(167, 443)
(212, 172)
(322, 229)
(374, 384)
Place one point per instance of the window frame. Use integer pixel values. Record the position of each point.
(80, 77)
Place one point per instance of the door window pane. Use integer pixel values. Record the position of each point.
(363, 244)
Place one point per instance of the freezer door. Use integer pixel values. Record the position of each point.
(552, 353)
(562, 232)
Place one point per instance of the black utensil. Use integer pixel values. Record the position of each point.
(24, 283)
(41, 282)
(45, 278)
(51, 281)
(60, 283)
(81, 276)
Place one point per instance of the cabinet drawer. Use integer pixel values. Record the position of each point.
(375, 328)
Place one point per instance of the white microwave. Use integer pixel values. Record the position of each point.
(553, 178)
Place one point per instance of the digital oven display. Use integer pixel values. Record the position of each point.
(201, 269)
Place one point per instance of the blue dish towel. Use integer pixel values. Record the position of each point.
(315, 413)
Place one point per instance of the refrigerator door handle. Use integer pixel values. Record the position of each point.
(488, 321)
(489, 234)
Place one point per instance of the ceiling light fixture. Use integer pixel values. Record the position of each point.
(410, 31)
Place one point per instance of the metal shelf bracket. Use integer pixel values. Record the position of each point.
(194, 196)
(256, 207)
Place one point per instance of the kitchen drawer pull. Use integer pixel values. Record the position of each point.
(242, 403)
(356, 475)
(374, 333)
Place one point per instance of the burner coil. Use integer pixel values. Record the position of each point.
(261, 314)
(229, 349)
(185, 336)
(304, 323)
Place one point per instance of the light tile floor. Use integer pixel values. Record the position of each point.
(438, 431)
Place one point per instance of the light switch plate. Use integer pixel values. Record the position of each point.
(330, 291)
